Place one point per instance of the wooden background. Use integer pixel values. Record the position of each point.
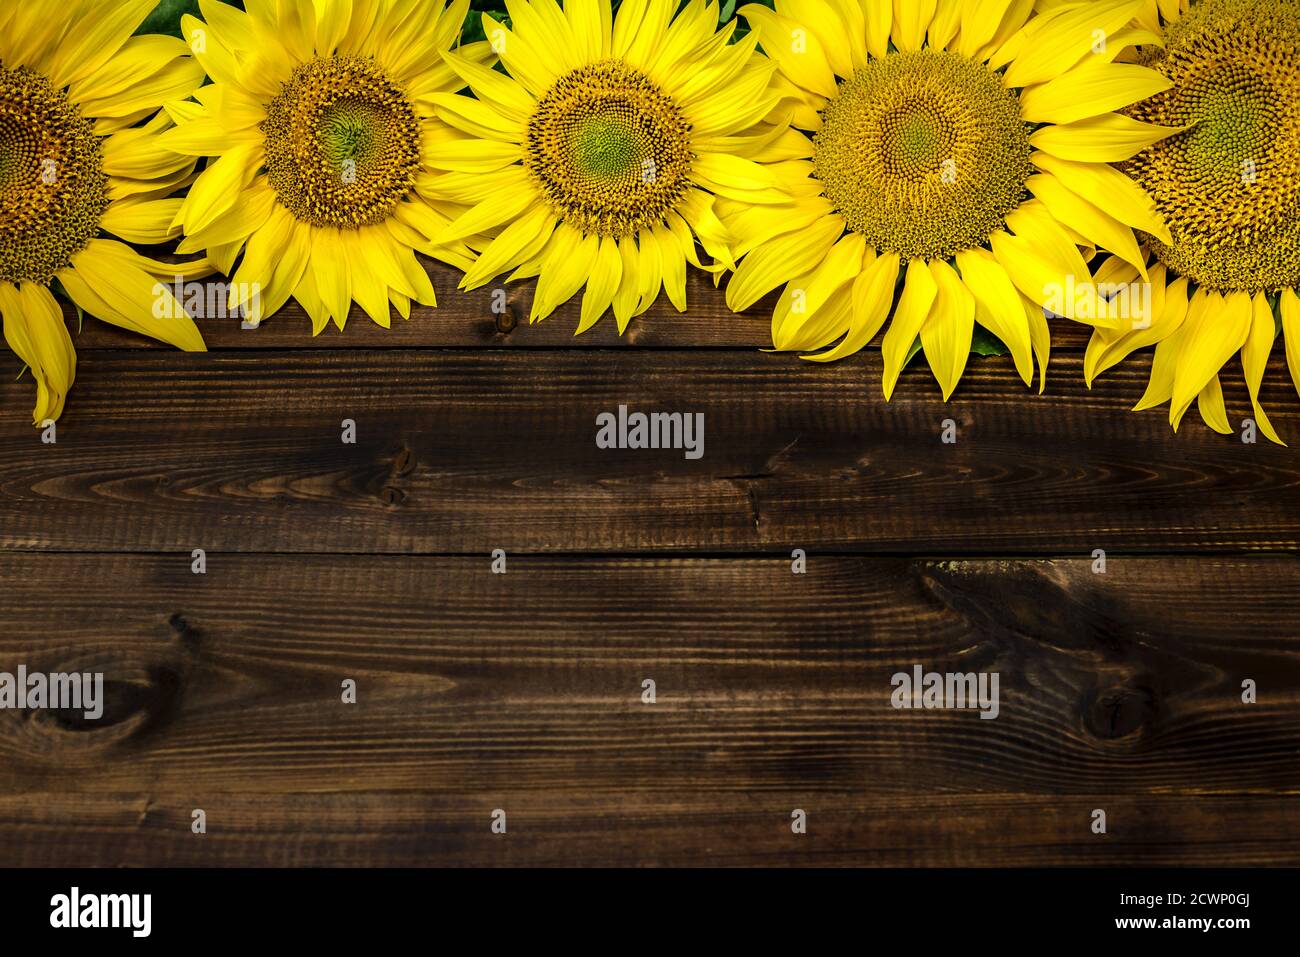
(522, 691)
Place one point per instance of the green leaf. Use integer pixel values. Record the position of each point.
(982, 343)
(472, 31)
(911, 353)
(985, 343)
(166, 17)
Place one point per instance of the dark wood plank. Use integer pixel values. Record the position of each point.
(466, 451)
(477, 691)
(419, 828)
(467, 319)
(1129, 680)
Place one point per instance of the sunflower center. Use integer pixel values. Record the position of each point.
(342, 143)
(1229, 187)
(923, 153)
(610, 151)
(53, 189)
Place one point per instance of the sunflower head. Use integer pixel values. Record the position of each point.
(608, 149)
(342, 143)
(316, 135)
(1229, 185)
(958, 159)
(53, 188)
(923, 153)
(598, 159)
(80, 120)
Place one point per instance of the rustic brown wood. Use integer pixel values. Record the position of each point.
(467, 319)
(558, 827)
(522, 691)
(476, 431)
(466, 451)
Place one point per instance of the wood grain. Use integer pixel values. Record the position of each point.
(690, 829)
(1119, 691)
(522, 691)
(465, 451)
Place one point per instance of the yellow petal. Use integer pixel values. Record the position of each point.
(592, 24)
(602, 284)
(1211, 338)
(1041, 337)
(873, 294)
(545, 27)
(629, 286)
(853, 15)
(366, 274)
(1164, 366)
(503, 206)
(1109, 138)
(1090, 89)
(1098, 226)
(979, 22)
(1044, 283)
(946, 333)
(719, 172)
(919, 292)
(672, 261)
(911, 19)
(803, 300)
(521, 60)
(1008, 41)
(779, 261)
(1210, 404)
(650, 269)
(998, 306)
(240, 222)
(146, 222)
(1289, 306)
(825, 23)
(474, 116)
(566, 262)
(946, 23)
(471, 155)
(498, 89)
(1047, 238)
(796, 50)
(107, 280)
(219, 187)
(94, 38)
(516, 244)
(331, 273)
(880, 22)
(1110, 190)
(697, 208)
(1106, 351)
(1254, 360)
(35, 330)
(1066, 39)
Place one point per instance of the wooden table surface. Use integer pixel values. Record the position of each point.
(476, 691)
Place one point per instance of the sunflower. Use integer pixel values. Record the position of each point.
(79, 157)
(320, 129)
(958, 159)
(598, 157)
(1228, 186)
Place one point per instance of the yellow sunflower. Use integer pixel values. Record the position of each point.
(958, 159)
(321, 130)
(1229, 188)
(599, 157)
(79, 157)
